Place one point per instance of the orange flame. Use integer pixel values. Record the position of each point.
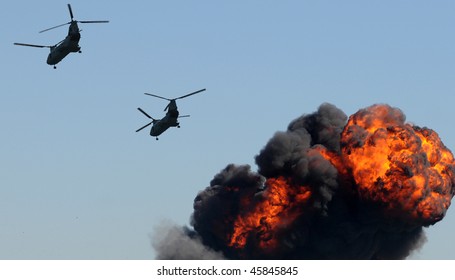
(332, 157)
(405, 168)
(278, 207)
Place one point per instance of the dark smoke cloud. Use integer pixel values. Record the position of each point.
(332, 224)
(292, 153)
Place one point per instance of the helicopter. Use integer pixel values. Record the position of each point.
(68, 45)
(170, 119)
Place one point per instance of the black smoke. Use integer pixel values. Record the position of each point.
(333, 224)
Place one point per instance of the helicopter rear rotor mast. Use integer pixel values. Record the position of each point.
(72, 20)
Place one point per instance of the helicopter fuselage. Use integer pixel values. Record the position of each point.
(169, 120)
(68, 45)
(160, 126)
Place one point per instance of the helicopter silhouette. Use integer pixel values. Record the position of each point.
(169, 120)
(68, 45)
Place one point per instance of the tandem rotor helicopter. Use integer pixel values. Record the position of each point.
(68, 45)
(170, 119)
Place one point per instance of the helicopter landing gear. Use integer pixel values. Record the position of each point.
(157, 139)
(55, 67)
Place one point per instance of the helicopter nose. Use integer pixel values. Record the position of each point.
(50, 60)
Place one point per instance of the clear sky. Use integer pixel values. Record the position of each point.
(77, 182)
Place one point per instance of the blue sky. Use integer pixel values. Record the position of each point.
(76, 181)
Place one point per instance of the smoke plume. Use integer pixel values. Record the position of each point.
(175, 243)
(328, 187)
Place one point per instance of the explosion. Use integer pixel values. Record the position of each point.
(278, 208)
(330, 188)
(406, 169)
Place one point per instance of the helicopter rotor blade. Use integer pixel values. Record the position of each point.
(30, 45)
(71, 11)
(158, 96)
(143, 112)
(189, 94)
(93, 21)
(63, 24)
(144, 126)
(184, 116)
